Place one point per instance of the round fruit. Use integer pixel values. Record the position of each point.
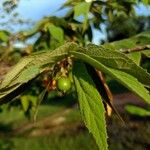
(64, 84)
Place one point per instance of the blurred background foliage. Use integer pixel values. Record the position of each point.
(56, 128)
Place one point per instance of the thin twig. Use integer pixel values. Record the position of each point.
(109, 97)
(108, 92)
(135, 49)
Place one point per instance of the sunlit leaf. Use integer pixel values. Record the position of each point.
(146, 2)
(126, 79)
(119, 61)
(91, 106)
(81, 9)
(29, 68)
(56, 32)
(4, 36)
(136, 57)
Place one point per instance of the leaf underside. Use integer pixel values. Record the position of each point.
(29, 68)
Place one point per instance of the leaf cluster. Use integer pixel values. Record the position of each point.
(105, 58)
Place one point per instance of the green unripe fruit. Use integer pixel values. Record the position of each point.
(64, 84)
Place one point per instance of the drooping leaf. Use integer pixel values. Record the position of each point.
(131, 83)
(37, 62)
(99, 57)
(117, 60)
(30, 72)
(28, 69)
(12, 74)
(91, 106)
(126, 79)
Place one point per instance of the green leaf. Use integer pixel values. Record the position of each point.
(33, 100)
(126, 79)
(29, 68)
(11, 75)
(81, 9)
(138, 111)
(37, 61)
(91, 106)
(35, 29)
(30, 72)
(56, 32)
(4, 36)
(110, 15)
(117, 60)
(146, 53)
(24, 102)
(131, 83)
(146, 2)
(122, 44)
(136, 57)
(138, 40)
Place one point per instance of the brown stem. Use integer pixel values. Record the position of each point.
(109, 96)
(135, 49)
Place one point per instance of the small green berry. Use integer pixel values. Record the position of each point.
(64, 84)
